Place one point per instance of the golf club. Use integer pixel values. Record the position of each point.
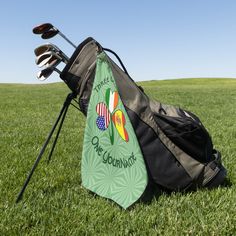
(44, 58)
(50, 47)
(45, 73)
(47, 62)
(52, 62)
(48, 70)
(47, 30)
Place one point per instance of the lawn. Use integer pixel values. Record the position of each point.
(55, 203)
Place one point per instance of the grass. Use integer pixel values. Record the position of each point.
(55, 203)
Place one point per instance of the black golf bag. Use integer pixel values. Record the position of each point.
(176, 147)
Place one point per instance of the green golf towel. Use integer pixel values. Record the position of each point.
(112, 162)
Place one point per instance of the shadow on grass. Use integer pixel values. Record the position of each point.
(154, 192)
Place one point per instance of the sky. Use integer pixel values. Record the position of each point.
(156, 39)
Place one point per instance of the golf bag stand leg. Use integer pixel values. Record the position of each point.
(58, 132)
(62, 115)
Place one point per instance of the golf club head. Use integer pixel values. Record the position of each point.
(40, 29)
(50, 47)
(50, 61)
(43, 59)
(49, 34)
(45, 73)
(47, 31)
(44, 48)
(53, 62)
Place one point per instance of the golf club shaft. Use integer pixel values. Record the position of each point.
(63, 36)
(58, 71)
(65, 57)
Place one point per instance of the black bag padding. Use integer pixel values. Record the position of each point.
(177, 149)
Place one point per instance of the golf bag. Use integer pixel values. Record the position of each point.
(177, 149)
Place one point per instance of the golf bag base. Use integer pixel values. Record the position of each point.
(177, 149)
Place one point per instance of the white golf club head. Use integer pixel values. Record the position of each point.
(44, 58)
(45, 73)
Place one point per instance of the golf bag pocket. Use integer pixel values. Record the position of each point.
(188, 134)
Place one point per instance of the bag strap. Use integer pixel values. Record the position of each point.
(118, 58)
(212, 169)
(122, 65)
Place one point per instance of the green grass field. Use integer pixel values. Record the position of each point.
(55, 203)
